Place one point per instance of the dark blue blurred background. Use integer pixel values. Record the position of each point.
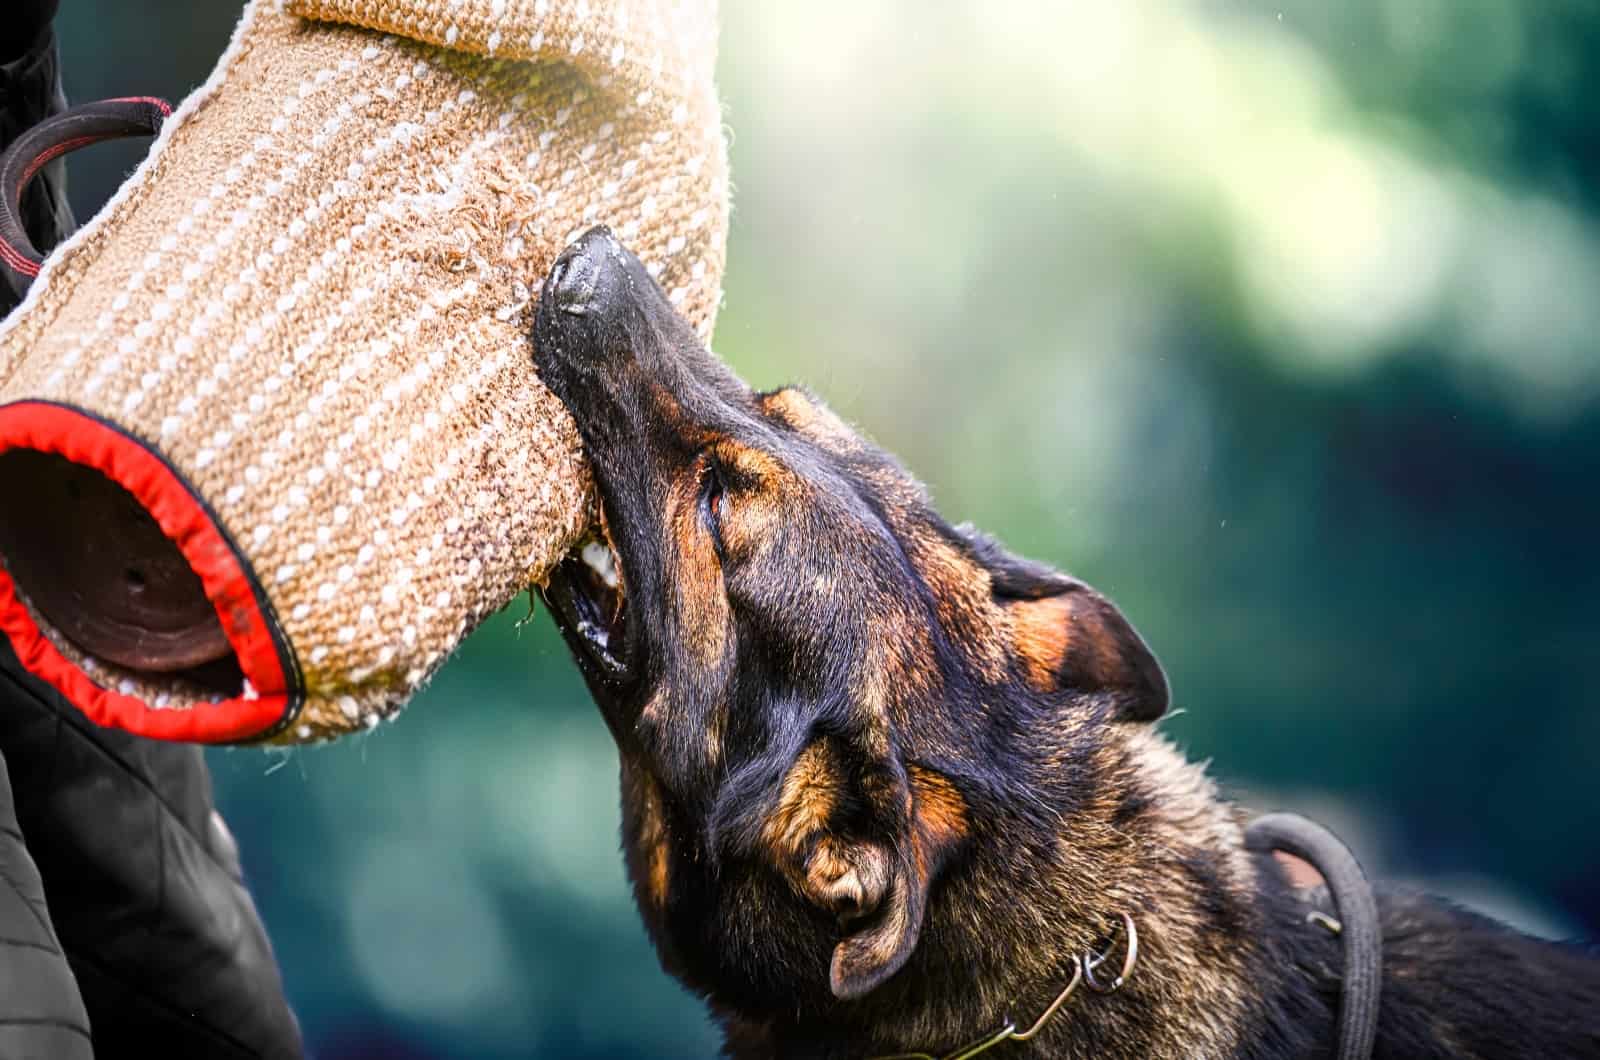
(1275, 321)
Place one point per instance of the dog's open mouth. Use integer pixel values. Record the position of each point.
(587, 597)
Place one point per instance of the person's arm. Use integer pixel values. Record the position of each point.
(121, 893)
(41, 1011)
(30, 91)
(143, 883)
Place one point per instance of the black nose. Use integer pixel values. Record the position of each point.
(580, 278)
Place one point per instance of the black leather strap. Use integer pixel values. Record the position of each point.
(1360, 931)
(30, 92)
(73, 128)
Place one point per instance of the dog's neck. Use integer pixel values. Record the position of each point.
(1152, 840)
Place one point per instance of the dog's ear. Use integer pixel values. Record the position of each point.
(1077, 641)
(863, 839)
(880, 943)
(882, 931)
(1068, 637)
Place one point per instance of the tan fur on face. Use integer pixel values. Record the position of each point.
(893, 673)
(759, 494)
(963, 595)
(758, 470)
(940, 809)
(811, 418)
(849, 878)
(807, 799)
(648, 848)
(654, 707)
(716, 720)
(696, 582)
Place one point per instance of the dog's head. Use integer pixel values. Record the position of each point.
(819, 688)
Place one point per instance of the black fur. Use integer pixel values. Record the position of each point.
(883, 780)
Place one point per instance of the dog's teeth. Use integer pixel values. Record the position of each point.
(599, 559)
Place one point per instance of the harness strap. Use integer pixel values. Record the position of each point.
(76, 127)
(1359, 929)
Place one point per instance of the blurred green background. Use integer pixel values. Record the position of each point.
(1277, 322)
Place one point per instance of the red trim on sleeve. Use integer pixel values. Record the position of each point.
(228, 583)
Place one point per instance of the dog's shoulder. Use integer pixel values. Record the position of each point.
(1459, 984)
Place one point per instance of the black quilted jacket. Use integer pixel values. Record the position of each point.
(125, 925)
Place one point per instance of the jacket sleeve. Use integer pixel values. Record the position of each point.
(41, 1012)
(143, 882)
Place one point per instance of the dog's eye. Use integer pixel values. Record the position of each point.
(711, 500)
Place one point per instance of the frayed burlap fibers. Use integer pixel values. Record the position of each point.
(299, 335)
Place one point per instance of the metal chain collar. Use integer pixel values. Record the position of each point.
(1084, 967)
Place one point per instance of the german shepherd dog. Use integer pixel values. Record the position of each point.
(883, 782)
